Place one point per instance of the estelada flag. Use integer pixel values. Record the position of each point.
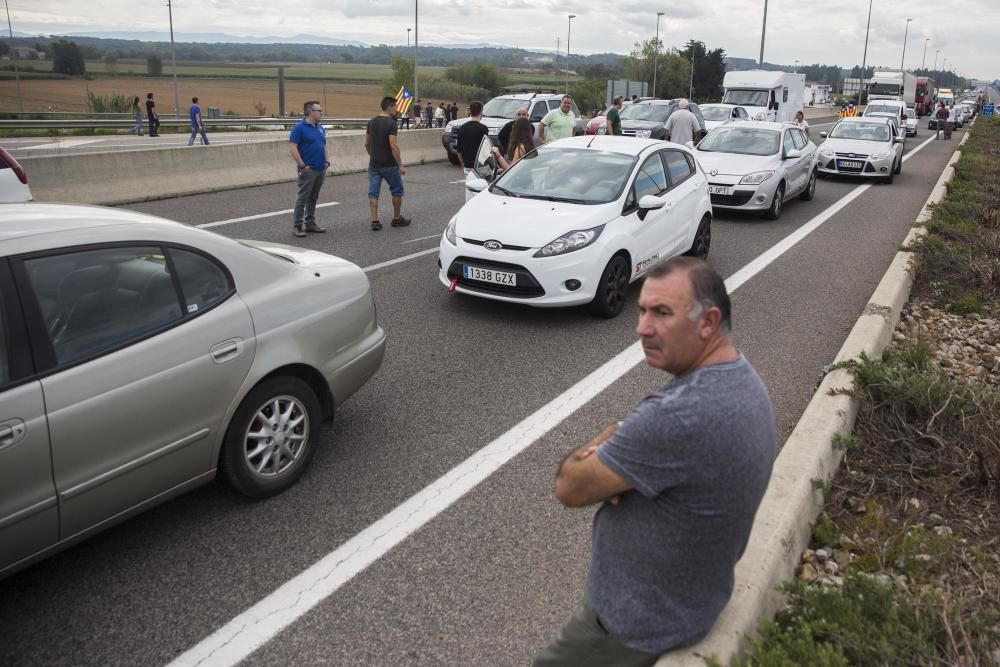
(403, 100)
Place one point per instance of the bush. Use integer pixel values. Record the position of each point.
(108, 103)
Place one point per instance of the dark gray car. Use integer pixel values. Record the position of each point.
(648, 120)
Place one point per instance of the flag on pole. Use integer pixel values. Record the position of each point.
(403, 100)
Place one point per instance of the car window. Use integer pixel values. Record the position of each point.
(651, 179)
(788, 144)
(799, 139)
(677, 166)
(574, 108)
(95, 300)
(743, 114)
(4, 351)
(554, 104)
(539, 110)
(203, 282)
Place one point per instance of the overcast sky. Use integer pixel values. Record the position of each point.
(967, 33)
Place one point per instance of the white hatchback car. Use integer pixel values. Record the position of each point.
(862, 146)
(576, 221)
(720, 114)
(758, 165)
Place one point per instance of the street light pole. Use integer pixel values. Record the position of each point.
(935, 58)
(416, 38)
(17, 76)
(763, 30)
(864, 57)
(923, 63)
(691, 83)
(173, 60)
(905, 35)
(656, 49)
(796, 67)
(569, 29)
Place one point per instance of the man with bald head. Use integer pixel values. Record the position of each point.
(677, 482)
(682, 125)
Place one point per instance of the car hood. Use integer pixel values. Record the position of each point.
(516, 221)
(642, 124)
(735, 164)
(309, 259)
(858, 146)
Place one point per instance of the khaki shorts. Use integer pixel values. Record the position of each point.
(583, 642)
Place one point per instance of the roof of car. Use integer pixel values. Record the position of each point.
(760, 124)
(527, 96)
(612, 143)
(34, 218)
(874, 118)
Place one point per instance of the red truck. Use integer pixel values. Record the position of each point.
(923, 99)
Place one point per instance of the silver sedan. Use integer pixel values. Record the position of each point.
(757, 166)
(140, 357)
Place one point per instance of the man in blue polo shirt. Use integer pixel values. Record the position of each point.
(307, 145)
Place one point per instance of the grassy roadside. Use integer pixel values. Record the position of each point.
(904, 562)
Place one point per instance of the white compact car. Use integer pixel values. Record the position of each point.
(719, 114)
(862, 146)
(576, 221)
(911, 122)
(758, 165)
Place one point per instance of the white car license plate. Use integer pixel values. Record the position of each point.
(489, 275)
(720, 190)
(850, 164)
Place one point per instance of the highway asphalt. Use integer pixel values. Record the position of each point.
(490, 578)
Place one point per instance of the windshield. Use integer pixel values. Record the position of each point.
(503, 108)
(653, 112)
(741, 140)
(715, 113)
(862, 131)
(554, 173)
(910, 113)
(884, 89)
(752, 98)
(881, 108)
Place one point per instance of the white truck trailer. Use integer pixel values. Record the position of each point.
(766, 95)
(893, 85)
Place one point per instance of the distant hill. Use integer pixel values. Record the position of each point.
(213, 38)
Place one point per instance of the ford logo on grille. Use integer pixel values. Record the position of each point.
(492, 245)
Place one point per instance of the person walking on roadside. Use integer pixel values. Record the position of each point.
(429, 114)
(385, 163)
(673, 519)
(503, 137)
(197, 124)
(440, 115)
(137, 116)
(558, 123)
(152, 116)
(453, 111)
(941, 122)
(682, 125)
(801, 122)
(613, 125)
(307, 146)
(520, 143)
(470, 137)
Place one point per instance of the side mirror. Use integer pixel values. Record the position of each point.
(897, 140)
(651, 203)
(822, 135)
(793, 154)
(477, 185)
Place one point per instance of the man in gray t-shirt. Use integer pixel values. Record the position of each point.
(682, 125)
(679, 482)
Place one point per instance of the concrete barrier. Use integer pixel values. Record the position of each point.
(782, 526)
(129, 176)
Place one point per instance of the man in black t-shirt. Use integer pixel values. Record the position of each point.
(470, 136)
(385, 163)
(152, 116)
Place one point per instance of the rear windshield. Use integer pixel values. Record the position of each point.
(741, 140)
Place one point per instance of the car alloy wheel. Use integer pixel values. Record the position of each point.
(702, 240)
(272, 437)
(612, 289)
(810, 190)
(774, 212)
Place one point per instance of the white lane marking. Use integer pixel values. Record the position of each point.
(264, 620)
(59, 145)
(399, 260)
(422, 238)
(258, 216)
(453, 182)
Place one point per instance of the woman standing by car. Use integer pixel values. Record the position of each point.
(137, 115)
(520, 144)
(800, 120)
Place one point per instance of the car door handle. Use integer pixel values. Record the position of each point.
(669, 205)
(11, 433)
(225, 351)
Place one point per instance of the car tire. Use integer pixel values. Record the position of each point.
(892, 175)
(453, 158)
(612, 288)
(286, 403)
(702, 239)
(810, 191)
(899, 165)
(777, 203)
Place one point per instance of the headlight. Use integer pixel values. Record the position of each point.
(825, 152)
(880, 155)
(643, 134)
(450, 234)
(759, 116)
(570, 241)
(756, 178)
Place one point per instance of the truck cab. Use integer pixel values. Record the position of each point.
(766, 95)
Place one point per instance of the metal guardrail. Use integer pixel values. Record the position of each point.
(127, 123)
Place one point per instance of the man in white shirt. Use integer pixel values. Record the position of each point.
(682, 125)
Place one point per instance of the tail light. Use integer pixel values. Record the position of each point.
(15, 165)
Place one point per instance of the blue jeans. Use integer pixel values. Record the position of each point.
(390, 175)
(194, 133)
(137, 130)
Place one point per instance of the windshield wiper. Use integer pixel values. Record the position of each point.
(566, 200)
(505, 191)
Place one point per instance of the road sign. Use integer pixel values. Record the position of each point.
(989, 110)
